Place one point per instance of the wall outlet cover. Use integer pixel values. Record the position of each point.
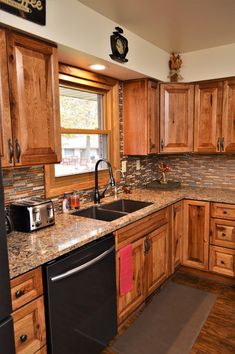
(137, 165)
(124, 166)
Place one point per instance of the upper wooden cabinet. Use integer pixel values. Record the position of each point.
(228, 117)
(31, 136)
(141, 117)
(176, 117)
(208, 113)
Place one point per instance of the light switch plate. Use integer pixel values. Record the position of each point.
(137, 165)
(124, 166)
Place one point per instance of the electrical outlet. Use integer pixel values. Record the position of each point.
(124, 166)
(137, 165)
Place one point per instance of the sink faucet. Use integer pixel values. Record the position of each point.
(97, 195)
(115, 188)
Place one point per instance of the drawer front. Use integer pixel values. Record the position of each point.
(223, 211)
(141, 227)
(222, 261)
(26, 288)
(223, 233)
(29, 327)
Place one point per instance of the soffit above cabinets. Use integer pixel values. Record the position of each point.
(173, 25)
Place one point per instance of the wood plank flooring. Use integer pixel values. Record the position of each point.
(218, 333)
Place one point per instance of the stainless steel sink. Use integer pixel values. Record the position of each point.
(126, 205)
(95, 212)
(113, 210)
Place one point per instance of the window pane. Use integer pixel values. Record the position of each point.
(80, 153)
(80, 109)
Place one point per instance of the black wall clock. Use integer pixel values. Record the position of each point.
(119, 46)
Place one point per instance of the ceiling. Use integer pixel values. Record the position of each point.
(173, 25)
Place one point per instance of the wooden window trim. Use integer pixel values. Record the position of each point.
(75, 77)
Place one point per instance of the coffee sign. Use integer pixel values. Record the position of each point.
(31, 10)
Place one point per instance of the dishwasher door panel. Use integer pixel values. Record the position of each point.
(81, 300)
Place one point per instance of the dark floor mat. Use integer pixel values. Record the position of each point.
(169, 324)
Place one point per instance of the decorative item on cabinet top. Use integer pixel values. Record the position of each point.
(175, 63)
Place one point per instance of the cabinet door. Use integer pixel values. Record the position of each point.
(153, 117)
(33, 72)
(208, 112)
(140, 111)
(157, 257)
(228, 119)
(196, 234)
(177, 232)
(6, 150)
(176, 117)
(130, 301)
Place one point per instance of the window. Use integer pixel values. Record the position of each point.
(89, 130)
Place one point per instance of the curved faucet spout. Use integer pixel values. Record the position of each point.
(97, 195)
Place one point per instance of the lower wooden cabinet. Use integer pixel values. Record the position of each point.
(150, 254)
(29, 327)
(222, 261)
(196, 234)
(157, 257)
(28, 315)
(130, 301)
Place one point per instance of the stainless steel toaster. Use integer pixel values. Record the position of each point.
(31, 214)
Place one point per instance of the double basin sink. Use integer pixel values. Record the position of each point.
(113, 210)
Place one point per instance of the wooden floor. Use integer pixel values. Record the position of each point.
(218, 333)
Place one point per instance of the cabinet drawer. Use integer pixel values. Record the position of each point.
(29, 327)
(223, 233)
(141, 227)
(222, 261)
(26, 288)
(223, 211)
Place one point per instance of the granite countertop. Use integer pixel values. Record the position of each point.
(30, 250)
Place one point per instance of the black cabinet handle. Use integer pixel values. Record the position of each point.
(218, 144)
(223, 234)
(11, 151)
(222, 144)
(162, 144)
(225, 212)
(18, 151)
(23, 338)
(19, 293)
(222, 262)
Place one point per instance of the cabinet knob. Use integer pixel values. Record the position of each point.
(19, 293)
(225, 212)
(23, 338)
(162, 144)
(223, 234)
(222, 262)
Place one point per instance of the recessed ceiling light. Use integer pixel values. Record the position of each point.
(97, 67)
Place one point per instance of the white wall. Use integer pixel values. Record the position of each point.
(209, 63)
(70, 23)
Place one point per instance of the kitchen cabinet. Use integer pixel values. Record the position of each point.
(150, 252)
(228, 117)
(208, 115)
(157, 257)
(196, 234)
(222, 239)
(176, 117)
(130, 301)
(28, 313)
(176, 235)
(30, 117)
(141, 117)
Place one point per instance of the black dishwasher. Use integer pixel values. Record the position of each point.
(80, 299)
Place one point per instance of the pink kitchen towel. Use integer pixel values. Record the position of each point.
(126, 269)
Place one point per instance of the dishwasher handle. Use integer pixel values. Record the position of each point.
(83, 266)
